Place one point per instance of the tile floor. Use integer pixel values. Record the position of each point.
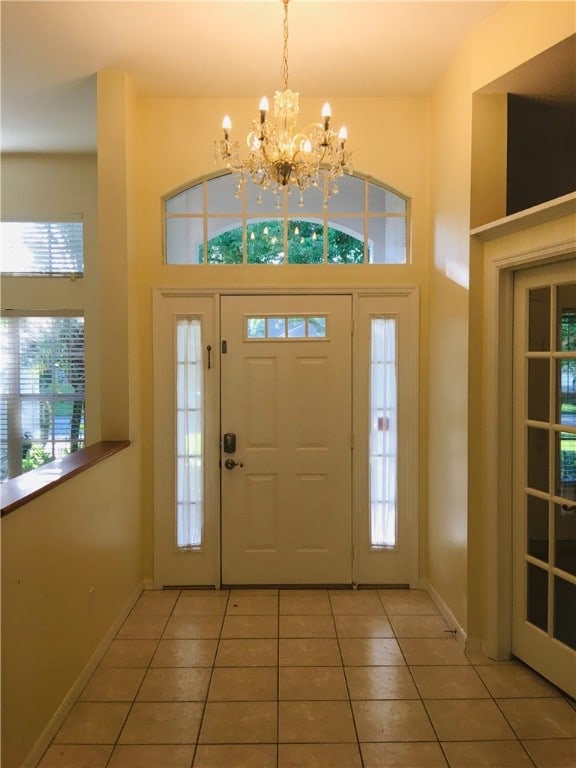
(306, 679)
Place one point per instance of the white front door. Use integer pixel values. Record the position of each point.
(286, 475)
(544, 517)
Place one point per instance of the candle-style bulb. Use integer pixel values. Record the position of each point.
(264, 104)
(326, 114)
(343, 134)
(226, 126)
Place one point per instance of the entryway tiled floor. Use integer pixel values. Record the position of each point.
(307, 679)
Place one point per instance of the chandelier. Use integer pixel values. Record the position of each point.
(280, 156)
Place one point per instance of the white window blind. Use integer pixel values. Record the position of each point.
(383, 434)
(42, 247)
(42, 385)
(189, 433)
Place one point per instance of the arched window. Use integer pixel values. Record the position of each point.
(211, 223)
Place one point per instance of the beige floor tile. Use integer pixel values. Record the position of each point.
(486, 754)
(237, 723)
(309, 652)
(392, 721)
(354, 603)
(468, 720)
(142, 627)
(164, 755)
(405, 602)
(364, 652)
(319, 756)
(76, 756)
(432, 626)
(540, 718)
(327, 722)
(247, 653)
(247, 604)
(93, 723)
(185, 653)
(193, 628)
(237, 755)
(305, 603)
(129, 653)
(201, 604)
(307, 626)
(432, 652)
(552, 753)
(236, 592)
(479, 658)
(421, 754)
(363, 626)
(156, 602)
(515, 681)
(162, 723)
(312, 683)
(243, 684)
(175, 684)
(380, 683)
(449, 683)
(112, 684)
(250, 626)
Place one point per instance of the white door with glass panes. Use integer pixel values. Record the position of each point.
(285, 444)
(544, 506)
(286, 401)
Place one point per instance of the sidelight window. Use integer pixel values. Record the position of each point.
(189, 434)
(383, 439)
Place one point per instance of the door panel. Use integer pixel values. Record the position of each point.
(286, 510)
(544, 517)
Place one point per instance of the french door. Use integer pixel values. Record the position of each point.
(286, 439)
(544, 503)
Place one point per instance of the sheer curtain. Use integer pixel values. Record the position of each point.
(383, 447)
(189, 433)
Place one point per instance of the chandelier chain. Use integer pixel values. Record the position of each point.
(285, 57)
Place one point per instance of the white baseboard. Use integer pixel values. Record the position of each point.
(446, 613)
(43, 742)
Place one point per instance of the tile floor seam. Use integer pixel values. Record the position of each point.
(358, 747)
(147, 669)
(207, 694)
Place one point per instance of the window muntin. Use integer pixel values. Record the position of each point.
(41, 390)
(213, 223)
(285, 327)
(383, 437)
(42, 247)
(189, 434)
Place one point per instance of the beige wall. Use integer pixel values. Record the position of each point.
(84, 534)
(456, 513)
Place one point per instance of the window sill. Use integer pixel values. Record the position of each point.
(22, 489)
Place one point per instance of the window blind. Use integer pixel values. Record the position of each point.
(42, 247)
(42, 386)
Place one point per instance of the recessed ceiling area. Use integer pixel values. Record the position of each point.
(51, 52)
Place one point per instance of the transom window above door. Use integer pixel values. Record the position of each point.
(212, 222)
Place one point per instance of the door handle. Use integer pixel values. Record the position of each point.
(230, 464)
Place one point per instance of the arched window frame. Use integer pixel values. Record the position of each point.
(371, 212)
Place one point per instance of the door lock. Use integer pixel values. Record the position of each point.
(230, 464)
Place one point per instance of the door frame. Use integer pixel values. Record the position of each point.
(497, 381)
(410, 425)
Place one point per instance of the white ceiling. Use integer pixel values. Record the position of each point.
(338, 48)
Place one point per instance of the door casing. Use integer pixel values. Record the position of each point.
(410, 427)
(497, 384)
